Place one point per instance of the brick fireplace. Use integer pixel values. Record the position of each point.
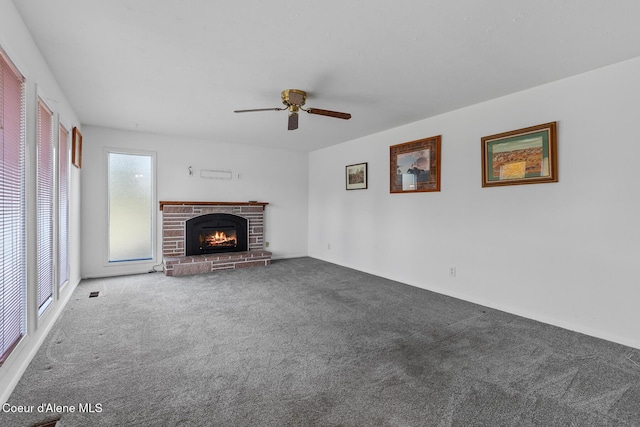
(174, 218)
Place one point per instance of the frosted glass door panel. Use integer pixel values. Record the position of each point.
(130, 207)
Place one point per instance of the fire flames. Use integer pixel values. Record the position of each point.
(219, 238)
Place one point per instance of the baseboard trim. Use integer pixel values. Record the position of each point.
(574, 327)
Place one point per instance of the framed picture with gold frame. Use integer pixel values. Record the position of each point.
(523, 156)
(415, 166)
(76, 148)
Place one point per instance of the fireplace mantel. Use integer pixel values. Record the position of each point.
(187, 203)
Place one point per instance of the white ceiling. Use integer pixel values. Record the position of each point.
(180, 67)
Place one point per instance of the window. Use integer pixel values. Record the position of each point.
(12, 207)
(63, 206)
(130, 181)
(45, 206)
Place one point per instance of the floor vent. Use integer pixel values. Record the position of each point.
(54, 423)
(94, 294)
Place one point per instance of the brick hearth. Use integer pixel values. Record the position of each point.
(174, 216)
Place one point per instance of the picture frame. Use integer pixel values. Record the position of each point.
(76, 148)
(523, 156)
(414, 166)
(356, 176)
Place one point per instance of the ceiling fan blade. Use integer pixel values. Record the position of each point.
(336, 114)
(293, 121)
(259, 109)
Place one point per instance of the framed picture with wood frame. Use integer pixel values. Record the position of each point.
(76, 148)
(415, 166)
(523, 156)
(356, 176)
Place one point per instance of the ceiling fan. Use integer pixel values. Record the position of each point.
(294, 99)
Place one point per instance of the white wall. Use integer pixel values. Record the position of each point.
(278, 177)
(563, 253)
(16, 41)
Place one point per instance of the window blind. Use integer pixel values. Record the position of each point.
(12, 207)
(45, 206)
(63, 207)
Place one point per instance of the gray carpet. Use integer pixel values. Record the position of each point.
(307, 343)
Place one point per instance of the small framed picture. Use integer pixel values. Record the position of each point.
(523, 156)
(415, 166)
(356, 176)
(76, 148)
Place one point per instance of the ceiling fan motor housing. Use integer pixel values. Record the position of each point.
(291, 97)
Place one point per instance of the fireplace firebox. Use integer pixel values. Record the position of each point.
(216, 233)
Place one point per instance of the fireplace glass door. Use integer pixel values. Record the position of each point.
(218, 237)
(216, 233)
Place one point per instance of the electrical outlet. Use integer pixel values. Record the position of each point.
(452, 272)
(329, 246)
(266, 244)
